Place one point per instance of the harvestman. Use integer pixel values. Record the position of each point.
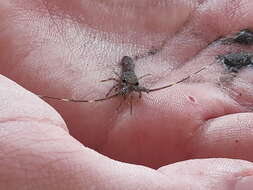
(126, 83)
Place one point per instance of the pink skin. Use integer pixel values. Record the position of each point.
(64, 48)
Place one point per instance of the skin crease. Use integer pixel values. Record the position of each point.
(64, 48)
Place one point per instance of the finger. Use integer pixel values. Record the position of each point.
(164, 132)
(43, 59)
(18, 104)
(36, 151)
(228, 136)
(220, 174)
(39, 154)
(112, 133)
(208, 23)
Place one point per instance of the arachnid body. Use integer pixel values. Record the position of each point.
(127, 82)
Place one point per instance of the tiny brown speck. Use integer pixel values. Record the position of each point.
(192, 99)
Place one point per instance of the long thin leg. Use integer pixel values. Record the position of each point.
(120, 104)
(143, 76)
(182, 80)
(109, 79)
(73, 100)
(117, 74)
(115, 79)
(131, 104)
(109, 92)
(170, 85)
(140, 94)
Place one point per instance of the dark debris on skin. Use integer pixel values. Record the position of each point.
(234, 62)
(243, 37)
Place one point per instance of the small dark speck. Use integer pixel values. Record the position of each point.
(236, 141)
(153, 51)
(192, 99)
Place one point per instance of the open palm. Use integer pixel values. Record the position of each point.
(64, 48)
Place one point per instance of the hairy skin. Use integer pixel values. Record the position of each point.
(64, 48)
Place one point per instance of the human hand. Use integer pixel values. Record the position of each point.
(63, 49)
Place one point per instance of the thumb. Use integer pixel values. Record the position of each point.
(37, 152)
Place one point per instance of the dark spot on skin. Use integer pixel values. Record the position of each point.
(153, 51)
(236, 141)
(192, 99)
(244, 37)
(236, 61)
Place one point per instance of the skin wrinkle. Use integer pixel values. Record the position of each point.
(128, 10)
(66, 39)
(244, 173)
(18, 151)
(40, 156)
(137, 144)
(206, 173)
(113, 125)
(33, 119)
(138, 4)
(204, 40)
(64, 13)
(56, 23)
(226, 90)
(197, 131)
(206, 168)
(116, 183)
(241, 88)
(61, 32)
(35, 148)
(234, 139)
(139, 150)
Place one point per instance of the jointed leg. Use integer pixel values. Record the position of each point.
(117, 80)
(109, 92)
(131, 105)
(117, 74)
(140, 94)
(120, 104)
(141, 77)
